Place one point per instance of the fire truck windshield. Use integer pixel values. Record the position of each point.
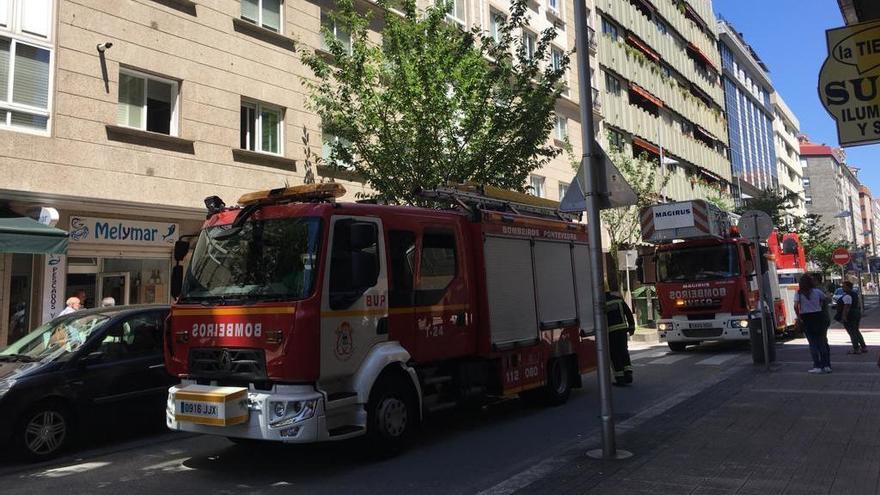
(697, 263)
(265, 259)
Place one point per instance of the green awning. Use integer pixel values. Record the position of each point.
(25, 235)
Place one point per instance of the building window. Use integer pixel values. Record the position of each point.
(530, 43)
(261, 128)
(808, 200)
(455, 9)
(561, 128)
(265, 13)
(803, 163)
(496, 21)
(25, 61)
(612, 84)
(609, 29)
(537, 184)
(336, 31)
(563, 189)
(553, 5)
(661, 27)
(329, 140)
(615, 139)
(806, 182)
(147, 102)
(556, 57)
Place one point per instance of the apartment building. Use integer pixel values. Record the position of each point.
(660, 76)
(831, 189)
(786, 129)
(121, 117)
(747, 90)
(866, 209)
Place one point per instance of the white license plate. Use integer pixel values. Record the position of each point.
(701, 325)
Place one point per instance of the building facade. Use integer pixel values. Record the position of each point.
(747, 90)
(659, 76)
(123, 116)
(786, 129)
(866, 210)
(831, 190)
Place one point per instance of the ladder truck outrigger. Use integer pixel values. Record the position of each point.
(705, 275)
(302, 319)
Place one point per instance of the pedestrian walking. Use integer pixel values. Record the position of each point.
(811, 307)
(621, 325)
(73, 304)
(851, 317)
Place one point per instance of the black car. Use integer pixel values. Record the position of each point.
(70, 376)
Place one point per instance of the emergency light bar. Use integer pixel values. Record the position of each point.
(495, 198)
(303, 193)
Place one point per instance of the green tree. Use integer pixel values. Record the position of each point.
(771, 202)
(434, 103)
(816, 237)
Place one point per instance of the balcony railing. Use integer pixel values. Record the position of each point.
(597, 104)
(591, 39)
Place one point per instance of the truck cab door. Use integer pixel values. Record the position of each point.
(354, 302)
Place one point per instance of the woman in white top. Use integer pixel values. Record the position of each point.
(810, 307)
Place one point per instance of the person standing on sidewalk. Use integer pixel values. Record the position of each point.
(851, 316)
(810, 306)
(621, 324)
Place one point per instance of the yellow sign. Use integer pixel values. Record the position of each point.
(848, 82)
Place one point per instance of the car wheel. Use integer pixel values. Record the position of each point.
(677, 346)
(44, 431)
(392, 414)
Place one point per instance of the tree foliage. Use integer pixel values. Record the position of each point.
(817, 240)
(771, 202)
(434, 103)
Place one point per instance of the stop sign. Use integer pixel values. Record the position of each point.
(840, 256)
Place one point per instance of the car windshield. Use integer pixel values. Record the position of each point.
(697, 263)
(56, 340)
(264, 259)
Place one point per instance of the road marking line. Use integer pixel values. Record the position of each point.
(719, 359)
(815, 392)
(673, 358)
(547, 466)
(649, 355)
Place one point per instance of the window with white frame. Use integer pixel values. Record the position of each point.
(553, 5)
(455, 9)
(563, 189)
(496, 21)
(263, 13)
(147, 102)
(537, 184)
(808, 200)
(806, 181)
(328, 141)
(25, 61)
(530, 42)
(262, 127)
(561, 127)
(338, 32)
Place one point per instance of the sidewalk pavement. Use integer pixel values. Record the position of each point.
(783, 432)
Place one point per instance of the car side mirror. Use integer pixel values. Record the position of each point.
(176, 280)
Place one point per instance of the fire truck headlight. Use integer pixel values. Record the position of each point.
(743, 323)
(663, 327)
(290, 412)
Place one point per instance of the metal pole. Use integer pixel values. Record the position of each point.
(592, 168)
(852, 216)
(761, 303)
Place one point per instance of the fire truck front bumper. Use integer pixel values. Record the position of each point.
(286, 413)
(721, 328)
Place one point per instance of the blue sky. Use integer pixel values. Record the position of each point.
(789, 35)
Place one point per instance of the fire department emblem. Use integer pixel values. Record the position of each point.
(344, 342)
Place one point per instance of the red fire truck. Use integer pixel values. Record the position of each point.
(303, 319)
(705, 274)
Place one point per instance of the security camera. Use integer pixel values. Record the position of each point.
(104, 46)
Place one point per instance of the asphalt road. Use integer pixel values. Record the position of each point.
(458, 452)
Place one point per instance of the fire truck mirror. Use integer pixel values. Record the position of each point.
(176, 280)
(181, 248)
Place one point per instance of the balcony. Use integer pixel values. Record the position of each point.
(597, 103)
(591, 39)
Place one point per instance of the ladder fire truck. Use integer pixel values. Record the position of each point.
(705, 275)
(303, 319)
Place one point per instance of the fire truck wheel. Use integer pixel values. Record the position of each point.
(558, 386)
(392, 413)
(677, 346)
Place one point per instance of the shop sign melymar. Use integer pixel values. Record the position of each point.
(117, 231)
(848, 82)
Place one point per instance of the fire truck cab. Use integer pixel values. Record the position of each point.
(302, 319)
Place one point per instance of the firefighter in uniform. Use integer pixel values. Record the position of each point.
(620, 323)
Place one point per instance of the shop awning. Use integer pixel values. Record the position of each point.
(645, 145)
(25, 235)
(644, 93)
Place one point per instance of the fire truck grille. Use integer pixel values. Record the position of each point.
(702, 333)
(243, 364)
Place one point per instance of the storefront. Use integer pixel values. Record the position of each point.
(124, 259)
